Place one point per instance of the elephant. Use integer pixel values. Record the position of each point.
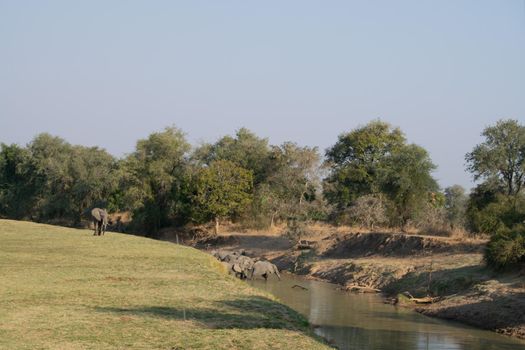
(242, 266)
(235, 262)
(221, 255)
(233, 269)
(100, 220)
(227, 255)
(264, 269)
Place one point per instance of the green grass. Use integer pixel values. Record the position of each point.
(63, 288)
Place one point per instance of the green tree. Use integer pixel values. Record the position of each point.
(501, 155)
(408, 183)
(221, 190)
(68, 179)
(154, 179)
(50, 156)
(479, 199)
(497, 203)
(17, 182)
(357, 162)
(375, 160)
(245, 150)
(95, 179)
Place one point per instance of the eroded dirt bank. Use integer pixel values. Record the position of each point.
(449, 270)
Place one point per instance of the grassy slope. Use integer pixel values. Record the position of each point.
(66, 289)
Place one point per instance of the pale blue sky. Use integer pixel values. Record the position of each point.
(110, 72)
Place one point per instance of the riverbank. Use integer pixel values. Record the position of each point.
(450, 270)
(63, 288)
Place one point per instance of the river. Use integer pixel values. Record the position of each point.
(363, 321)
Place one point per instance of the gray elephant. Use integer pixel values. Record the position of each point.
(242, 266)
(100, 220)
(264, 269)
(233, 269)
(227, 255)
(221, 254)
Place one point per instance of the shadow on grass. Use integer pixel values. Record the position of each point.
(242, 313)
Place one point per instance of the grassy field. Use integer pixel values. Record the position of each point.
(63, 288)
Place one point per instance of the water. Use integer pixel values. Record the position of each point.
(363, 321)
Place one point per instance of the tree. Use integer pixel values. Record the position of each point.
(357, 160)
(155, 178)
(501, 155)
(50, 157)
(455, 205)
(245, 150)
(52, 180)
(95, 177)
(293, 179)
(497, 204)
(375, 160)
(67, 180)
(408, 183)
(17, 183)
(221, 190)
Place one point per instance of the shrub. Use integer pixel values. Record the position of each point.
(366, 211)
(432, 220)
(506, 248)
(296, 230)
(496, 213)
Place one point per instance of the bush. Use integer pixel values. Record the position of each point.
(432, 220)
(296, 230)
(366, 211)
(506, 248)
(501, 213)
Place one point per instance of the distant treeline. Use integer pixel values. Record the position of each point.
(371, 177)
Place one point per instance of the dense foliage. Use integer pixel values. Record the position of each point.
(51, 180)
(370, 177)
(375, 160)
(497, 205)
(221, 190)
(506, 248)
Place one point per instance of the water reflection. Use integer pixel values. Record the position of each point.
(362, 321)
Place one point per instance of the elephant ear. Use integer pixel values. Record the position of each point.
(236, 268)
(103, 215)
(96, 214)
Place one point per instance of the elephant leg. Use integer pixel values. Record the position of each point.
(276, 271)
(95, 226)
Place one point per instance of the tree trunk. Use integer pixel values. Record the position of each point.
(272, 223)
(216, 225)
(303, 193)
(78, 217)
